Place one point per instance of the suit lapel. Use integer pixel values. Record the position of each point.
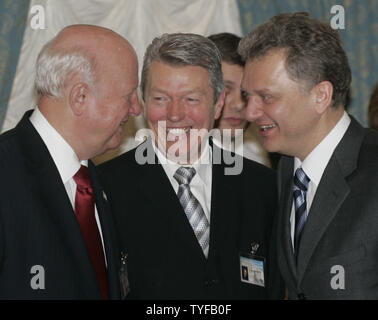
(109, 235)
(223, 214)
(331, 193)
(49, 189)
(286, 201)
(329, 197)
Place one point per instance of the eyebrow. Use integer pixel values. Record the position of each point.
(264, 92)
(259, 92)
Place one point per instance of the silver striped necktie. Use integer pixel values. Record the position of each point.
(300, 186)
(192, 207)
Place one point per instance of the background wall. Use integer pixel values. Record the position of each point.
(13, 16)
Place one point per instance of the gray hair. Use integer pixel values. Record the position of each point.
(185, 49)
(54, 67)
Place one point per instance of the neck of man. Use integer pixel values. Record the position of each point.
(327, 122)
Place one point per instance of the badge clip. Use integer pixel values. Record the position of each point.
(254, 247)
(123, 276)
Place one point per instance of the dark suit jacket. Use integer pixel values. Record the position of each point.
(341, 229)
(38, 225)
(165, 260)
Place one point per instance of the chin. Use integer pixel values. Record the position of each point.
(114, 143)
(270, 147)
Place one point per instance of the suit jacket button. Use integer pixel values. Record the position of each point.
(301, 296)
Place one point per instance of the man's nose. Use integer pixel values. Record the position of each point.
(238, 104)
(175, 111)
(254, 109)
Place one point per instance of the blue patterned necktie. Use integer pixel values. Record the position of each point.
(300, 187)
(192, 207)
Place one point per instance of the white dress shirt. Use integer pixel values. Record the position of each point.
(201, 182)
(316, 162)
(64, 158)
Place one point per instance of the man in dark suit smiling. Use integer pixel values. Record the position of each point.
(186, 225)
(56, 233)
(296, 80)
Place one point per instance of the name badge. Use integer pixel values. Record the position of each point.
(252, 267)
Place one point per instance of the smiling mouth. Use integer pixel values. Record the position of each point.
(178, 131)
(267, 127)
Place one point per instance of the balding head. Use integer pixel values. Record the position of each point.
(88, 37)
(87, 77)
(82, 50)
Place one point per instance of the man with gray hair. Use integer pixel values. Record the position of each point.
(187, 226)
(296, 80)
(57, 236)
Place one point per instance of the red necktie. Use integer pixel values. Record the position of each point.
(85, 213)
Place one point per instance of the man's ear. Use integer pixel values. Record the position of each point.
(323, 96)
(78, 97)
(219, 104)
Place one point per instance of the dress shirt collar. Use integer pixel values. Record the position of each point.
(316, 162)
(201, 165)
(63, 155)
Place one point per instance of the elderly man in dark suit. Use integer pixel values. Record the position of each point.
(56, 232)
(297, 78)
(188, 218)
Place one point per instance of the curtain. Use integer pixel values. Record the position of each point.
(13, 16)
